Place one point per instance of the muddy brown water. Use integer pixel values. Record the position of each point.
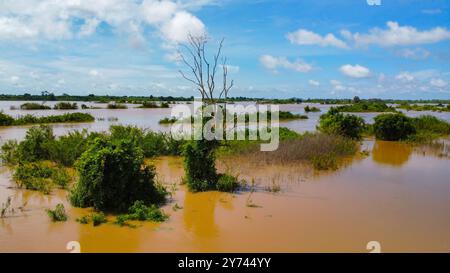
(400, 201)
(398, 195)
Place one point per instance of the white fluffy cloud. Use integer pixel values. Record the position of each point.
(405, 77)
(396, 35)
(273, 63)
(414, 54)
(66, 19)
(440, 83)
(306, 37)
(313, 83)
(355, 71)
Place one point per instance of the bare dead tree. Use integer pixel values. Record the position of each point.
(203, 71)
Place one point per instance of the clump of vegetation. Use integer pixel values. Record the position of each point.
(34, 106)
(116, 106)
(227, 183)
(350, 126)
(140, 212)
(425, 107)
(199, 165)
(40, 176)
(98, 218)
(152, 104)
(65, 106)
(35, 145)
(112, 176)
(58, 214)
(6, 120)
(314, 148)
(167, 120)
(311, 109)
(366, 106)
(393, 127)
(428, 128)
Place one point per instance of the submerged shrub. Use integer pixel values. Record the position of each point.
(35, 145)
(34, 106)
(112, 176)
(98, 218)
(40, 176)
(68, 148)
(393, 127)
(140, 212)
(6, 120)
(350, 126)
(199, 165)
(227, 183)
(9, 153)
(58, 214)
(65, 106)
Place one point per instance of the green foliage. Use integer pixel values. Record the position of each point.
(60, 177)
(140, 212)
(35, 145)
(58, 214)
(374, 106)
(68, 148)
(84, 219)
(6, 120)
(199, 164)
(34, 106)
(167, 120)
(350, 126)
(431, 124)
(116, 106)
(98, 218)
(393, 127)
(64, 118)
(227, 183)
(65, 106)
(424, 107)
(40, 176)
(112, 176)
(152, 104)
(311, 109)
(9, 153)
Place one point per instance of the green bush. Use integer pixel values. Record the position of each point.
(199, 165)
(112, 176)
(34, 106)
(350, 126)
(431, 124)
(35, 145)
(68, 148)
(311, 109)
(68, 117)
(40, 176)
(58, 214)
(140, 212)
(116, 106)
(9, 153)
(65, 106)
(98, 218)
(227, 183)
(6, 120)
(393, 127)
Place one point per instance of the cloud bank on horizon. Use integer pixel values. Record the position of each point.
(307, 49)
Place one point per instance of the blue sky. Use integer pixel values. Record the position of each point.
(279, 49)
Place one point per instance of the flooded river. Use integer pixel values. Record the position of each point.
(397, 195)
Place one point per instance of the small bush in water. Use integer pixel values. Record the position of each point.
(393, 127)
(58, 214)
(112, 176)
(227, 183)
